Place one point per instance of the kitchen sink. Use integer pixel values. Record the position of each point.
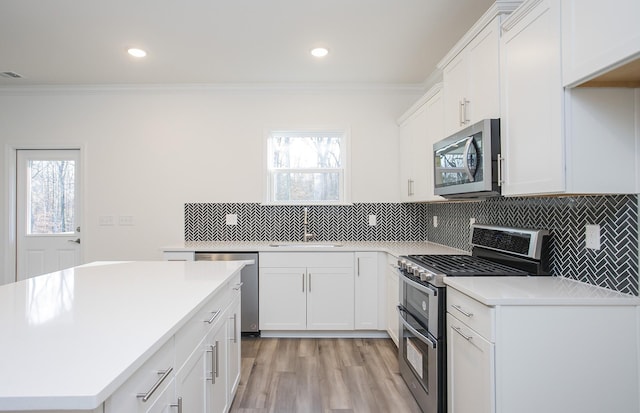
(306, 245)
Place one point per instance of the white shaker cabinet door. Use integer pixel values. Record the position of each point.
(330, 302)
(598, 36)
(471, 363)
(283, 298)
(532, 133)
(366, 291)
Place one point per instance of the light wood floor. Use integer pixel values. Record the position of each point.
(321, 375)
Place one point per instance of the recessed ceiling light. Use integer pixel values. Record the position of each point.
(137, 52)
(319, 52)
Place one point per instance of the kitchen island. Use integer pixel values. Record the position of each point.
(82, 339)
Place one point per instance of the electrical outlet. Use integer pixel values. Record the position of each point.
(435, 221)
(592, 236)
(472, 221)
(231, 219)
(373, 220)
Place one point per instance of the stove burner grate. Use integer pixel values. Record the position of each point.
(464, 265)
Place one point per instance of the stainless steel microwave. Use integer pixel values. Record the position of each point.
(466, 163)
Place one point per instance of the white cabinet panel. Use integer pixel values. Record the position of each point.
(366, 291)
(420, 127)
(283, 298)
(330, 300)
(393, 299)
(472, 81)
(532, 97)
(471, 369)
(597, 37)
(556, 140)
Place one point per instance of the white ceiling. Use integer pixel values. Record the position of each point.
(64, 42)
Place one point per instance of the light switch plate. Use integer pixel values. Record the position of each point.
(106, 220)
(435, 221)
(373, 220)
(592, 236)
(231, 219)
(125, 220)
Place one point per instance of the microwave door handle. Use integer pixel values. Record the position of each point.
(465, 157)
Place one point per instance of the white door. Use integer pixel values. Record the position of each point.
(48, 211)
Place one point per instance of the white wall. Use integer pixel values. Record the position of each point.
(147, 151)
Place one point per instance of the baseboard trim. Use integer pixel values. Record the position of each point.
(324, 334)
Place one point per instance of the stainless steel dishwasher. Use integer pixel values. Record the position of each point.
(249, 294)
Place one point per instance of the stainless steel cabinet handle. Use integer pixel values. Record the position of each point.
(500, 160)
(75, 241)
(460, 122)
(464, 106)
(410, 187)
(213, 317)
(358, 267)
(238, 286)
(216, 356)
(457, 330)
(235, 327)
(309, 282)
(178, 405)
(302, 282)
(147, 395)
(214, 362)
(457, 307)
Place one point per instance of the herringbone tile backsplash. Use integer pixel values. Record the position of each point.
(614, 266)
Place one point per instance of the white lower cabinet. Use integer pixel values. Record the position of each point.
(551, 358)
(233, 340)
(217, 397)
(306, 291)
(366, 291)
(198, 368)
(470, 366)
(393, 298)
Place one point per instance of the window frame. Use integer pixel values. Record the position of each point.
(344, 172)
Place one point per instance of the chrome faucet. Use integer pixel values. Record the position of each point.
(306, 237)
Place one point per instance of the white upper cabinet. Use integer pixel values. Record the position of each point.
(420, 127)
(597, 37)
(557, 140)
(471, 81)
(471, 72)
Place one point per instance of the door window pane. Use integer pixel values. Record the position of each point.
(51, 197)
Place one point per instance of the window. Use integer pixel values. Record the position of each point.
(306, 167)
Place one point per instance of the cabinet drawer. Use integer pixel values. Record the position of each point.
(126, 399)
(472, 313)
(306, 259)
(190, 335)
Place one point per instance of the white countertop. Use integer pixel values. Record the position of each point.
(392, 247)
(71, 338)
(494, 291)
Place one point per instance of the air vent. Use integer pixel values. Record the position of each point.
(11, 75)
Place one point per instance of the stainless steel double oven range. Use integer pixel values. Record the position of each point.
(496, 251)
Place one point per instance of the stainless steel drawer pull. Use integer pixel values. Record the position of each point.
(214, 362)
(147, 395)
(213, 317)
(457, 307)
(457, 330)
(235, 327)
(238, 286)
(178, 405)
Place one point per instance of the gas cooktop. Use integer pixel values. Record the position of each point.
(463, 265)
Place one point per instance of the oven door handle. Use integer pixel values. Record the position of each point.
(415, 332)
(427, 290)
